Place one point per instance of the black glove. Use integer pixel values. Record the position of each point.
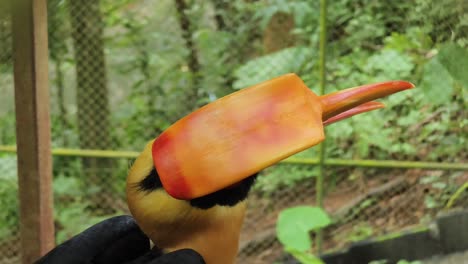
(114, 241)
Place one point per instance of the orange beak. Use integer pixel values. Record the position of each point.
(365, 107)
(240, 134)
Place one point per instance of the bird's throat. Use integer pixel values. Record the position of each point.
(216, 238)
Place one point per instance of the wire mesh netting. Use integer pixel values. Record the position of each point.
(122, 71)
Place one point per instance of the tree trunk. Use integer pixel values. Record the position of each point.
(278, 33)
(241, 43)
(223, 9)
(193, 63)
(57, 50)
(91, 90)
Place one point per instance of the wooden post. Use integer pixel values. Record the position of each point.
(30, 57)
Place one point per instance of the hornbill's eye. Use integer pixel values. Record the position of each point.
(150, 183)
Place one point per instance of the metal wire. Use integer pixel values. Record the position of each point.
(120, 73)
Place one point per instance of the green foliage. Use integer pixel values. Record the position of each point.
(456, 195)
(359, 232)
(304, 257)
(8, 196)
(370, 51)
(73, 218)
(399, 262)
(422, 41)
(441, 192)
(7, 129)
(281, 62)
(436, 76)
(293, 228)
(294, 225)
(409, 262)
(455, 59)
(283, 175)
(302, 11)
(444, 70)
(73, 209)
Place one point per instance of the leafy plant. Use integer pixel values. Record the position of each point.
(283, 175)
(409, 262)
(445, 70)
(8, 196)
(281, 62)
(302, 11)
(293, 228)
(7, 125)
(441, 192)
(360, 232)
(399, 262)
(456, 195)
(72, 209)
(423, 41)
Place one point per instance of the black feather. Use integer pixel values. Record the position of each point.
(150, 183)
(225, 197)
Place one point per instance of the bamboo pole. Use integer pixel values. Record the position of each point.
(322, 71)
(87, 153)
(456, 195)
(30, 56)
(384, 164)
(363, 163)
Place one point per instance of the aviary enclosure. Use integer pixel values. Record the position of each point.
(120, 72)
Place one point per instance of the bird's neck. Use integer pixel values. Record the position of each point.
(214, 234)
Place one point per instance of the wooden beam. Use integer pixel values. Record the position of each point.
(30, 56)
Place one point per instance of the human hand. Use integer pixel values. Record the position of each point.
(114, 241)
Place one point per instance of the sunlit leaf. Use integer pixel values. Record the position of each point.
(294, 225)
(430, 202)
(304, 257)
(455, 60)
(399, 42)
(437, 84)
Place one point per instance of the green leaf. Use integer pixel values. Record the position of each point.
(429, 179)
(455, 59)
(403, 261)
(390, 64)
(294, 225)
(8, 168)
(270, 66)
(362, 147)
(437, 84)
(430, 202)
(380, 261)
(66, 186)
(398, 42)
(439, 185)
(304, 257)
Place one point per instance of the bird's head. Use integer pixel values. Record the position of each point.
(171, 223)
(189, 184)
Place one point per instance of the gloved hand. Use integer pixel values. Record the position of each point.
(112, 241)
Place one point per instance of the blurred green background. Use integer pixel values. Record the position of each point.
(122, 71)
